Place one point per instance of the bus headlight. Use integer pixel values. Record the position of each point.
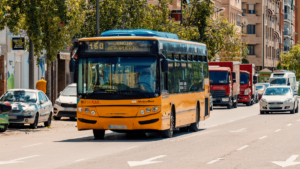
(142, 112)
(87, 110)
(148, 110)
(154, 109)
(93, 112)
(80, 109)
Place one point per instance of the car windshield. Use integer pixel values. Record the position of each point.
(277, 91)
(19, 96)
(259, 87)
(218, 77)
(118, 77)
(266, 85)
(278, 81)
(70, 91)
(244, 78)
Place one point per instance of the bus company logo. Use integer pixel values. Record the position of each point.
(145, 101)
(83, 102)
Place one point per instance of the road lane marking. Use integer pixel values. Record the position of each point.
(80, 160)
(289, 124)
(33, 145)
(263, 137)
(17, 160)
(289, 162)
(278, 130)
(298, 120)
(194, 135)
(240, 130)
(131, 147)
(243, 147)
(231, 121)
(213, 161)
(214, 126)
(145, 162)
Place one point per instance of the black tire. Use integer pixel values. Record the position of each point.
(293, 111)
(35, 123)
(297, 109)
(48, 123)
(235, 104)
(99, 134)
(248, 103)
(169, 133)
(267, 112)
(4, 129)
(56, 118)
(262, 112)
(184, 129)
(229, 106)
(73, 118)
(194, 127)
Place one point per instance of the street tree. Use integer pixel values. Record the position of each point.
(291, 60)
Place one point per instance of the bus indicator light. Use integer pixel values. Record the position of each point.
(148, 110)
(142, 112)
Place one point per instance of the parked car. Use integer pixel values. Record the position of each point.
(279, 99)
(211, 103)
(28, 107)
(260, 88)
(4, 109)
(66, 104)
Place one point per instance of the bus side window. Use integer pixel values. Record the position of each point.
(164, 81)
(171, 77)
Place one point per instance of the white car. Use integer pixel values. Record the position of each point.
(66, 104)
(28, 107)
(279, 99)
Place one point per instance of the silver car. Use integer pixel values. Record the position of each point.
(28, 107)
(279, 99)
(66, 104)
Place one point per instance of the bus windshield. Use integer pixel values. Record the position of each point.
(244, 78)
(277, 81)
(118, 77)
(218, 77)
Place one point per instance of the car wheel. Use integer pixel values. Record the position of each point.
(262, 112)
(35, 123)
(56, 118)
(99, 134)
(229, 106)
(4, 129)
(248, 103)
(293, 111)
(235, 104)
(195, 126)
(297, 109)
(169, 133)
(48, 123)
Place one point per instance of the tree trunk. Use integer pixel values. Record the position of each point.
(31, 64)
(48, 77)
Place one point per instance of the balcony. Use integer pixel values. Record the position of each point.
(252, 39)
(288, 2)
(288, 17)
(286, 48)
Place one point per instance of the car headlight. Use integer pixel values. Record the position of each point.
(57, 102)
(264, 100)
(289, 100)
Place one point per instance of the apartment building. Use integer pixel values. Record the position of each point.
(233, 12)
(261, 20)
(289, 24)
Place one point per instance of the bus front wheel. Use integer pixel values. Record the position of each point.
(99, 134)
(169, 133)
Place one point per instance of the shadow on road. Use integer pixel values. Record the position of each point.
(132, 137)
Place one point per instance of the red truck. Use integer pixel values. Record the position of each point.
(224, 83)
(247, 81)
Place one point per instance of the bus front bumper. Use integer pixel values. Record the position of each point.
(150, 122)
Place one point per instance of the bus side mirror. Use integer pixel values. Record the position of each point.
(164, 66)
(254, 80)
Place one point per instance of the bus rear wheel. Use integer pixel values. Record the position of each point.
(99, 134)
(169, 133)
(195, 126)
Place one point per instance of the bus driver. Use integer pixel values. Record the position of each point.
(146, 80)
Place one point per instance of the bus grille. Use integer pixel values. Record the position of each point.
(218, 93)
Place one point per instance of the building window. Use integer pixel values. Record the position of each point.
(251, 29)
(251, 49)
(251, 9)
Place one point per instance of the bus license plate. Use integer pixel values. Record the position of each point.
(117, 127)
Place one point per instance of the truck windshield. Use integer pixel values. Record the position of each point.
(277, 81)
(218, 77)
(244, 78)
(118, 77)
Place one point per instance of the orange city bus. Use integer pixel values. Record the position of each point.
(141, 84)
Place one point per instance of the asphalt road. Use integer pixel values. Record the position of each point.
(236, 138)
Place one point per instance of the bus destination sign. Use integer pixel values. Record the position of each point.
(118, 46)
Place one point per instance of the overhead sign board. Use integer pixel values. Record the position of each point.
(18, 43)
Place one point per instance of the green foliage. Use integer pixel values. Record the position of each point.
(50, 24)
(291, 60)
(3, 6)
(279, 66)
(245, 61)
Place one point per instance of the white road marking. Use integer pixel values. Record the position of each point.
(131, 147)
(145, 162)
(263, 137)
(214, 126)
(33, 145)
(278, 130)
(192, 135)
(80, 160)
(213, 161)
(16, 160)
(80, 137)
(289, 124)
(288, 162)
(243, 147)
(231, 121)
(298, 120)
(240, 130)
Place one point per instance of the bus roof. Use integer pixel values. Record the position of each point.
(138, 32)
(142, 38)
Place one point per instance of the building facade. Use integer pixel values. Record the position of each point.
(289, 24)
(262, 32)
